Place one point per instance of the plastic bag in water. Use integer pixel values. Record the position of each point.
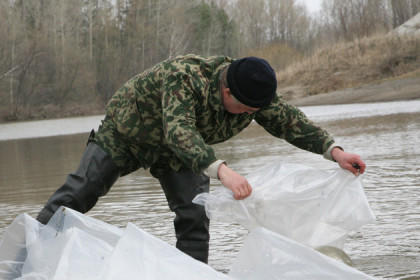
(74, 246)
(311, 206)
(268, 255)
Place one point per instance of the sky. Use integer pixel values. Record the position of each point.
(313, 5)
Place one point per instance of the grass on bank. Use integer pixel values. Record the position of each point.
(347, 65)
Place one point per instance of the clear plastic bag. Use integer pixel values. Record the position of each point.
(75, 246)
(20, 235)
(311, 206)
(267, 255)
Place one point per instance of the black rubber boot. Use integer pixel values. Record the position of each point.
(96, 174)
(191, 223)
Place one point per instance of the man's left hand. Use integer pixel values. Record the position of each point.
(348, 161)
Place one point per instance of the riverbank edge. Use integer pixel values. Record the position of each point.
(403, 89)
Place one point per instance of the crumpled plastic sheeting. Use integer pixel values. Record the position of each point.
(74, 246)
(267, 255)
(311, 206)
(14, 243)
(142, 256)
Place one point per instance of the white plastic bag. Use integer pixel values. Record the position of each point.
(18, 237)
(267, 255)
(311, 206)
(75, 246)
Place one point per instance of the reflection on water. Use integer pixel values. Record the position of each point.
(31, 169)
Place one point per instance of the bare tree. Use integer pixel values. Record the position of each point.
(174, 28)
(250, 16)
(402, 10)
(353, 19)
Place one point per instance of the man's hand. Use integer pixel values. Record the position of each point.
(348, 161)
(236, 183)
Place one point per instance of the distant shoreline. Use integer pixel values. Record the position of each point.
(403, 89)
(395, 90)
(84, 124)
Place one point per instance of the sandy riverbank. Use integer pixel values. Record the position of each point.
(401, 89)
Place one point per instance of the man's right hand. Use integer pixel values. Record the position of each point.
(237, 183)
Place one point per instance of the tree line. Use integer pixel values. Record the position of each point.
(54, 52)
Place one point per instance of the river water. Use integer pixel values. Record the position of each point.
(36, 157)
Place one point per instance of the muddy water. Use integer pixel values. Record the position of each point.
(387, 135)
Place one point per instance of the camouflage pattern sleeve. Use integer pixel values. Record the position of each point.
(290, 123)
(179, 122)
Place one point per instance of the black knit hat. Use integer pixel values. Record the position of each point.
(252, 81)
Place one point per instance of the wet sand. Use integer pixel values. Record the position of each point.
(395, 90)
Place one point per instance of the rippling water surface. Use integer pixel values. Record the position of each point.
(387, 136)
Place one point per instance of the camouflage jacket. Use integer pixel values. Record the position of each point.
(170, 114)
